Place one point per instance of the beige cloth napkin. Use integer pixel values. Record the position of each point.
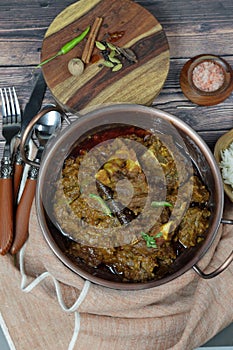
(182, 314)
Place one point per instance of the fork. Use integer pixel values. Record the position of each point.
(10, 128)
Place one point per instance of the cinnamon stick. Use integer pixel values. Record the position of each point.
(89, 47)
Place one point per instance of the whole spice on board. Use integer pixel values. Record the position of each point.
(76, 67)
(113, 55)
(88, 49)
(67, 47)
(113, 37)
(208, 76)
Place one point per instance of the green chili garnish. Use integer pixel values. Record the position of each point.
(150, 241)
(67, 47)
(160, 204)
(104, 206)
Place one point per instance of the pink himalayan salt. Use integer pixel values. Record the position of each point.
(208, 76)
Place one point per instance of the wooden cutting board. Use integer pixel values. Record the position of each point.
(135, 83)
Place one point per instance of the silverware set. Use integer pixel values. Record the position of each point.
(13, 125)
(45, 127)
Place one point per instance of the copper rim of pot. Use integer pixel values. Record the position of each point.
(198, 151)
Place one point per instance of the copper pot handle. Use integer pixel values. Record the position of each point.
(222, 267)
(27, 134)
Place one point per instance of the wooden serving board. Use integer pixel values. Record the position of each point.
(135, 83)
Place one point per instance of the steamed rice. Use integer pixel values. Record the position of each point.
(226, 165)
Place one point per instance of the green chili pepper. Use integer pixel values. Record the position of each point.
(104, 206)
(160, 204)
(67, 47)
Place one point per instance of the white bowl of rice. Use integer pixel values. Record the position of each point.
(223, 153)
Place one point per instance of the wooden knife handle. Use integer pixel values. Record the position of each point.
(18, 171)
(6, 214)
(23, 215)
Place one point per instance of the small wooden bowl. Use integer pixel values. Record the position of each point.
(201, 97)
(223, 143)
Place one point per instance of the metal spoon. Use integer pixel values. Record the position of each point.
(46, 126)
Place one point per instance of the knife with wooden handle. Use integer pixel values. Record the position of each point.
(31, 109)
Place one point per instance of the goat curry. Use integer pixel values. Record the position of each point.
(128, 201)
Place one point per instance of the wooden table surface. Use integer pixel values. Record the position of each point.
(192, 27)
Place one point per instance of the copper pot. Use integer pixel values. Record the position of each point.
(148, 118)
